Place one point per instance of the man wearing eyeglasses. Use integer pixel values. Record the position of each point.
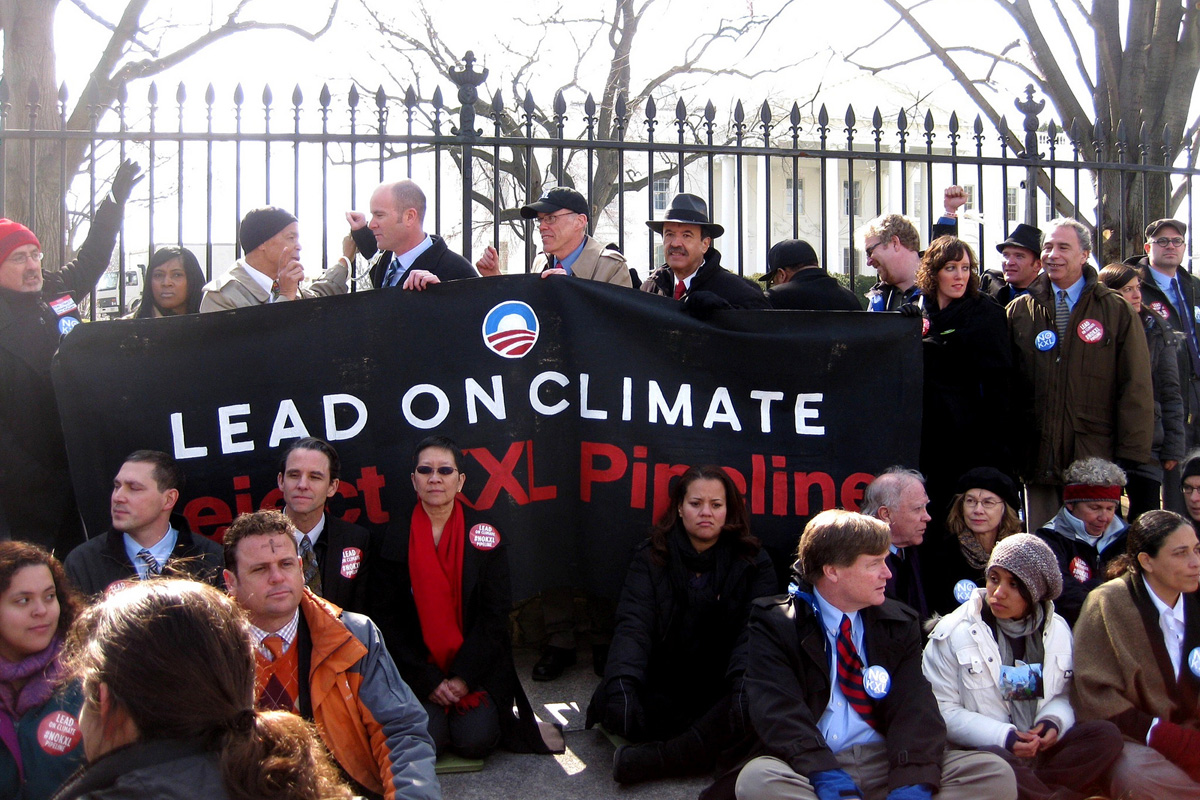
(1174, 294)
(38, 307)
(893, 248)
(394, 240)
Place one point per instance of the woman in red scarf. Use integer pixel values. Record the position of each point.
(440, 594)
(39, 721)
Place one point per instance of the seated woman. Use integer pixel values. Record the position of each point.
(967, 361)
(982, 513)
(1168, 447)
(1000, 667)
(674, 671)
(440, 594)
(37, 606)
(1137, 663)
(167, 674)
(1087, 533)
(174, 284)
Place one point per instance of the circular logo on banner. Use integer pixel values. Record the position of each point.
(1164, 310)
(964, 589)
(66, 325)
(510, 329)
(877, 682)
(351, 561)
(1045, 340)
(1091, 331)
(1080, 569)
(484, 536)
(1194, 661)
(58, 733)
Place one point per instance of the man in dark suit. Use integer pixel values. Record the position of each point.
(897, 496)
(146, 539)
(395, 242)
(334, 551)
(798, 282)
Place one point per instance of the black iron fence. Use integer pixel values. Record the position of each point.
(772, 173)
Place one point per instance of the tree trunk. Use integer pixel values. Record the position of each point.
(29, 74)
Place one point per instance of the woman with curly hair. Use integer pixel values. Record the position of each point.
(967, 363)
(167, 672)
(37, 607)
(673, 678)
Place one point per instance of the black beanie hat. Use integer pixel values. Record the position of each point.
(992, 480)
(261, 224)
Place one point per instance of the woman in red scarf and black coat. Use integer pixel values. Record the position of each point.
(440, 593)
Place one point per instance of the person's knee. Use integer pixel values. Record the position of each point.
(438, 726)
(476, 733)
(756, 779)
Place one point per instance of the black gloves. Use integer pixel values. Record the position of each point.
(701, 305)
(909, 310)
(127, 175)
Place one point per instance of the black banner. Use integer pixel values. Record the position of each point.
(576, 403)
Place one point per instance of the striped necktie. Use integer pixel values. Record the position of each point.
(153, 568)
(1062, 317)
(393, 271)
(850, 674)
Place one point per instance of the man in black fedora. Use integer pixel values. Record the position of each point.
(798, 282)
(693, 272)
(1021, 251)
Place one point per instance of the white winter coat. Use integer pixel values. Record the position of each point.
(962, 662)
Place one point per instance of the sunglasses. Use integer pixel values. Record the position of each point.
(425, 469)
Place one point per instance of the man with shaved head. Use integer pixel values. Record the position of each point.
(395, 242)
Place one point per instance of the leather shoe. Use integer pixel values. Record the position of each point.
(636, 763)
(552, 663)
(599, 659)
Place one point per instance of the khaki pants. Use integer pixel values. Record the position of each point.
(966, 775)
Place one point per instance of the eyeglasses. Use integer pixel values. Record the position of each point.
(22, 258)
(1175, 241)
(1190, 490)
(552, 219)
(989, 503)
(871, 248)
(445, 472)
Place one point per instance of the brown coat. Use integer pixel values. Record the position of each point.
(1122, 670)
(597, 262)
(1079, 398)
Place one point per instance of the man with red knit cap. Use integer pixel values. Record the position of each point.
(38, 307)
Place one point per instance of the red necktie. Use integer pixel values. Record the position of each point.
(679, 290)
(849, 674)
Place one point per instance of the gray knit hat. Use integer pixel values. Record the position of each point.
(1033, 563)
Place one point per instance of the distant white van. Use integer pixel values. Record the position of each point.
(108, 298)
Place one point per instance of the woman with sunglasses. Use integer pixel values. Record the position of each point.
(439, 587)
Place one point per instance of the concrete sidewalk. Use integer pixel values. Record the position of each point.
(584, 771)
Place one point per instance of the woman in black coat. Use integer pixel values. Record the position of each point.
(440, 593)
(967, 363)
(1145, 480)
(674, 671)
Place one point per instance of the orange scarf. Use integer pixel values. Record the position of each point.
(436, 574)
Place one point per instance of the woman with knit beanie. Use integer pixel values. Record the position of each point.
(1087, 533)
(39, 719)
(982, 513)
(1000, 666)
(1138, 645)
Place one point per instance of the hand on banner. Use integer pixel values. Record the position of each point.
(556, 271)
(701, 305)
(357, 220)
(910, 310)
(418, 279)
(488, 263)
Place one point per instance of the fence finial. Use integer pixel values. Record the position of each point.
(467, 79)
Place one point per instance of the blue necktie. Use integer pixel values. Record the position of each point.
(393, 272)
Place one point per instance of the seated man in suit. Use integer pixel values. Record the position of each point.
(145, 539)
(327, 665)
(395, 242)
(835, 686)
(270, 271)
(333, 552)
